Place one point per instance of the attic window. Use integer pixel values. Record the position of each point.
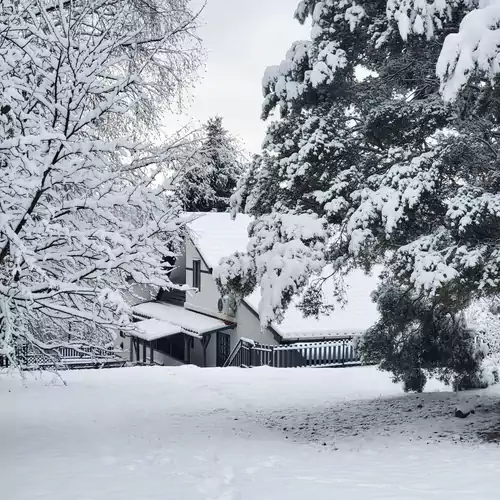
(197, 274)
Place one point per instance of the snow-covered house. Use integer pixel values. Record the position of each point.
(203, 328)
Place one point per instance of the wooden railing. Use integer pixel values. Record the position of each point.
(29, 358)
(328, 353)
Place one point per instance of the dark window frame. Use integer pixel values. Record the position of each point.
(197, 274)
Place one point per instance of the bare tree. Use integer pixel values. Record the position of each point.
(82, 207)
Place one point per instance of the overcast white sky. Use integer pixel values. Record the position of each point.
(242, 38)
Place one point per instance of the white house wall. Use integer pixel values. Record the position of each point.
(206, 300)
(212, 351)
(197, 352)
(248, 327)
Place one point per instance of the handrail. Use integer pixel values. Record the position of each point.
(68, 355)
(337, 352)
(236, 349)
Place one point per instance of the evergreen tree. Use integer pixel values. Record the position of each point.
(400, 176)
(208, 185)
(418, 337)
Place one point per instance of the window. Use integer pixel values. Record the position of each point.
(197, 274)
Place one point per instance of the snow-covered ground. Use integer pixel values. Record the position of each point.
(232, 434)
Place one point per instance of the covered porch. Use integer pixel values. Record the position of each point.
(168, 334)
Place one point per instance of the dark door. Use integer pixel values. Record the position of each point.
(223, 347)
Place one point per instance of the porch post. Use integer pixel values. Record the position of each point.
(136, 346)
(204, 352)
(144, 351)
(131, 347)
(151, 352)
(205, 340)
(187, 348)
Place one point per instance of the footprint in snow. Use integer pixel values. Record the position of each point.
(217, 487)
(271, 462)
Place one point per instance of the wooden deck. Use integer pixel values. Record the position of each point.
(339, 352)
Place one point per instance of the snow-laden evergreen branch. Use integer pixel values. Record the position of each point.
(402, 177)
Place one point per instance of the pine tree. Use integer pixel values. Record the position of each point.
(400, 176)
(418, 338)
(208, 184)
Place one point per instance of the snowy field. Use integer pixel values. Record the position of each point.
(228, 434)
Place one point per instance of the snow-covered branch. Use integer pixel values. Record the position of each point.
(81, 206)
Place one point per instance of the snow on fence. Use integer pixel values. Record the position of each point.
(339, 352)
(63, 357)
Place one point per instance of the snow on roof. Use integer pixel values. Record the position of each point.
(216, 236)
(355, 317)
(152, 329)
(188, 321)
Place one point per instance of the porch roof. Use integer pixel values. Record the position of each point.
(179, 318)
(152, 329)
